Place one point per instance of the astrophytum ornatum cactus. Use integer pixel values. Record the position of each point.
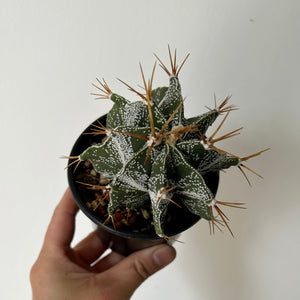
(152, 152)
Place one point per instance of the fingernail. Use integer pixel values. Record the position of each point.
(164, 255)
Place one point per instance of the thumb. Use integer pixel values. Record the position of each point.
(137, 267)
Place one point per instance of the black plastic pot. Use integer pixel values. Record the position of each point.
(126, 242)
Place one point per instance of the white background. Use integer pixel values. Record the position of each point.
(51, 52)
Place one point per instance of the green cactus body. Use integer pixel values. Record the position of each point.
(152, 152)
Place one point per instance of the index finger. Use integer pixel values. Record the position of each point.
(62, 225)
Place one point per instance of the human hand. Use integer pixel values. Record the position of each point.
(62, 272)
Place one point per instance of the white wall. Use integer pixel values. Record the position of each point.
(50, 53)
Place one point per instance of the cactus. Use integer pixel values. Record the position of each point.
(152, 153)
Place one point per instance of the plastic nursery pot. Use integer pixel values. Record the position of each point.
(125, 241)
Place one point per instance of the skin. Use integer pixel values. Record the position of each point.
(62, 272)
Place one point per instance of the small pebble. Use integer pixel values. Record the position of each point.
(104, 180)
(94, 205)
(132, 219)
(93, 172)
(125, 222)
(145, 214)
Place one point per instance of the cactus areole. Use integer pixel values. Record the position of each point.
(147, 155)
